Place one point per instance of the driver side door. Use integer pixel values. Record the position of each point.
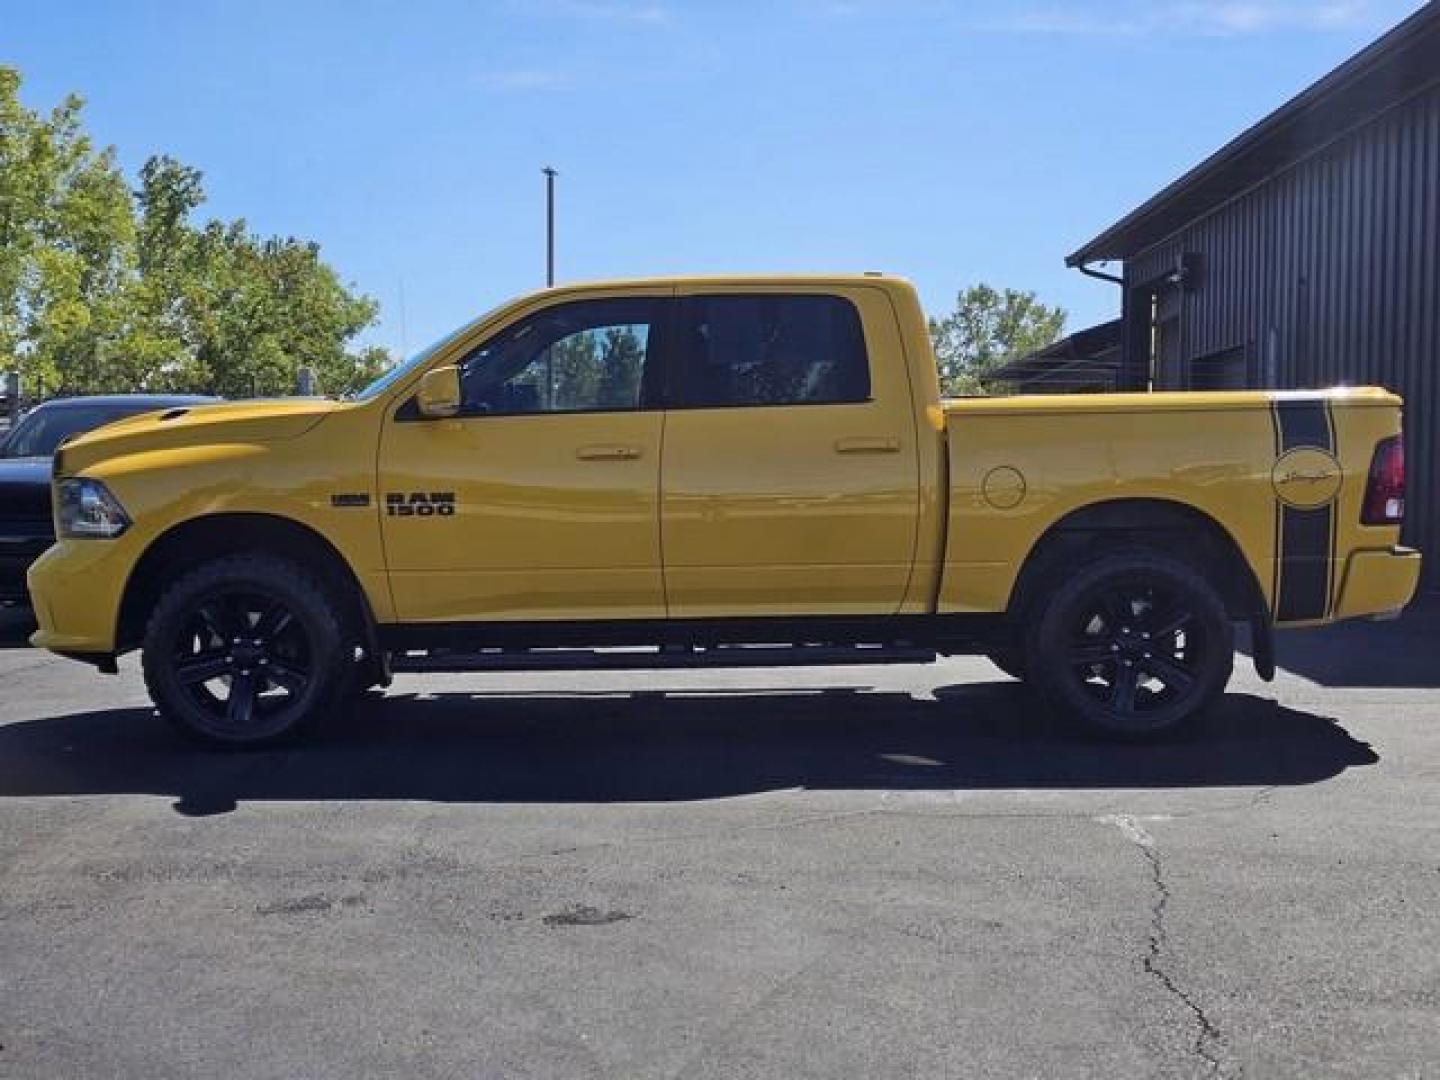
(539, 501)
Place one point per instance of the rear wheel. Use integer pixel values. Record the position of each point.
(1133, 646)
(245, 651)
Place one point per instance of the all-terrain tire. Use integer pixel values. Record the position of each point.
(246, 650)
(1134, 645)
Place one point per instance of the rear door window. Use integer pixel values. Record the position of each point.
(769, 349)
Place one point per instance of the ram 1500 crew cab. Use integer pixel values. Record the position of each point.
(715, 471)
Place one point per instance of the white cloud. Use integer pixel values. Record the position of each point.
(1062, 21)
(1241, 17)
(876, 7)
(1129, 18)
(644, 12)
(1221, 18)
(521, 79)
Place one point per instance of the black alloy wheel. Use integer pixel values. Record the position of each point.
(1134, 645)
(244, 651)
(243, 658)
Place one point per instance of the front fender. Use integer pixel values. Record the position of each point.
(323, 480)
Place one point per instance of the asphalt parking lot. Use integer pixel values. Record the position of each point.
(855, 872)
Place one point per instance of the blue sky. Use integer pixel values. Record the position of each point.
(950, 142)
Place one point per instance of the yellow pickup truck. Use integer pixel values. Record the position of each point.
(715, 472)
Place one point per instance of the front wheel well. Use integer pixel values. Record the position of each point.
(1176, 529)
(213, 536)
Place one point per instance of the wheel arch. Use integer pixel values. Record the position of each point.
(201, 539)
(1174, 528)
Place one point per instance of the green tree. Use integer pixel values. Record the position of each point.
(621, 363)
(571, 372)
(105, 289)
(260, 308)
(987, 329)
(66, 243)
(160, 333)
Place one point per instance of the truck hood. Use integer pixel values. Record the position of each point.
(229, 422)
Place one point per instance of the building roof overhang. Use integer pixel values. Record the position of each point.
(1391, 70)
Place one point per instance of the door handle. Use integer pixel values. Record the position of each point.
(608, 452)
(874, 444)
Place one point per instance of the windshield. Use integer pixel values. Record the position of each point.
(44, 428)
(405, 367)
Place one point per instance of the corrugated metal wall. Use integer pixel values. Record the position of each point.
(1330, 273)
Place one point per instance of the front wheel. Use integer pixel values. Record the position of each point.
(245, 651)
(1133, 646)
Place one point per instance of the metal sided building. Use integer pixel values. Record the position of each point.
(1305, 253)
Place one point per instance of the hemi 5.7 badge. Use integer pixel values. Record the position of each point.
(420, 503)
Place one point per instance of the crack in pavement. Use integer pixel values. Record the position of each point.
(1209, 1044)
(884, 809)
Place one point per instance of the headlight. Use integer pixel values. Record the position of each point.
(87, 509)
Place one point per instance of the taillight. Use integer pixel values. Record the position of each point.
(1385, 490)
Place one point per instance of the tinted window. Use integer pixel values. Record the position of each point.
(583, 357)
(772, 350)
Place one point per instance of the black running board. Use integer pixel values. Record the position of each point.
(664, 657)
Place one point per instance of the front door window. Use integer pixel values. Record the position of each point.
(588, 356)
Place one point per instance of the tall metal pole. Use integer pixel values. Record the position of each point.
(550, 175)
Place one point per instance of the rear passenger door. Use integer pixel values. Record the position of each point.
(789, 475)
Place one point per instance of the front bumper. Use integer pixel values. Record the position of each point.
(76, 588)
(1378, 582)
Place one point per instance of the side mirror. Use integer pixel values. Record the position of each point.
(439, 394)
